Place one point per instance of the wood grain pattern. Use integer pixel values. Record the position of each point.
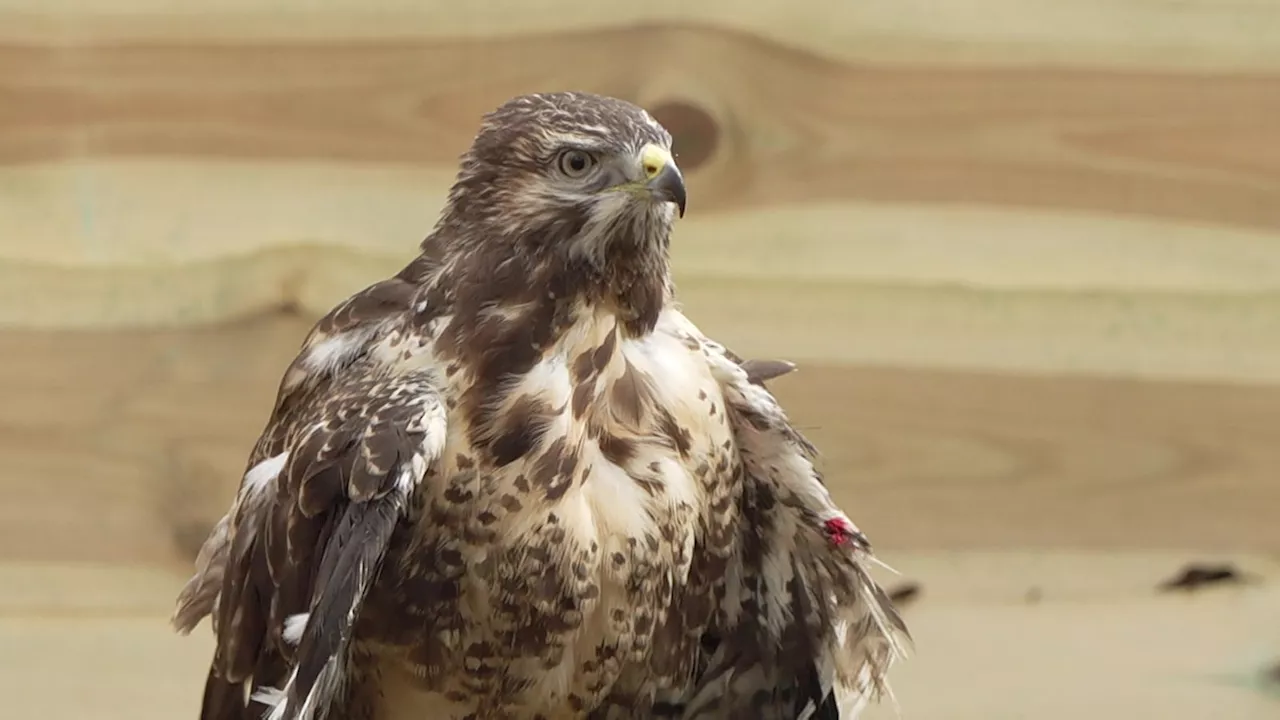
(1191, 34)
(151, 177)
(151, 430)
(1027, 252)
(1097, 643)
(1111, 141)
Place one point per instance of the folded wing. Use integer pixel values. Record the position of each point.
(357, 426)
(807, 633)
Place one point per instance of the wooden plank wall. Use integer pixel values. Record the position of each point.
(1027, 251)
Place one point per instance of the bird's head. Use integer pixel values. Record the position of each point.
(583, 174)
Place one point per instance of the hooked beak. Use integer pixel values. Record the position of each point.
(662, 177)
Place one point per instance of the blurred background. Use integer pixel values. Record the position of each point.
(1026, 252)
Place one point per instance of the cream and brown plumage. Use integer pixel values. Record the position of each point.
(515, 481)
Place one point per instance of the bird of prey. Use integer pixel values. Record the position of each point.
(514, 480)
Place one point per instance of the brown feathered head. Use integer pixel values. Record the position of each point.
(564, 190)
(569, 167)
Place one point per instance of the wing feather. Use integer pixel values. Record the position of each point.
(807, 632)
(284, 575)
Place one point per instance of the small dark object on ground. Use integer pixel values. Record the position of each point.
(905, 594)
(1033, 595)
(1196, 575)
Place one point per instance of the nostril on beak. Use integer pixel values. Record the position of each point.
(651, 170)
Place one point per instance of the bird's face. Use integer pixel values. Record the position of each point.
(576, 171)
(611, 177)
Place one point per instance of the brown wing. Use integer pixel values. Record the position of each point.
(284, 574)
(810, 629)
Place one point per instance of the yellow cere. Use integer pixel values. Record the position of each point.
(654, 158)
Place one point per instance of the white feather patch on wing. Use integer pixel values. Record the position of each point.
(262, 474)
(335, 350)
(277, 699)
(294, 625)
(269, 696)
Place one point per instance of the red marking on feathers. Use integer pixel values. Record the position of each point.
(840, 532)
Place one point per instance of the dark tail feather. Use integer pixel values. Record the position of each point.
(225, 701)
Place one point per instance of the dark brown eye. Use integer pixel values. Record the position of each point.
(576, 163)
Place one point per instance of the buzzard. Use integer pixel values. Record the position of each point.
(515, 481)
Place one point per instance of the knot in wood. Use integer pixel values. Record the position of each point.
(695, 133)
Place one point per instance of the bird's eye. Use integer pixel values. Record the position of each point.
(576, 163)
